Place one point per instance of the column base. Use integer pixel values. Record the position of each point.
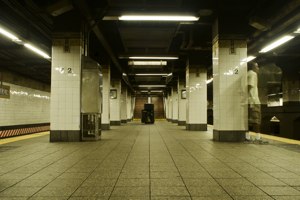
(229, 136)
(181, 123)
(174, 121)
(115, 123)
(65, 136)
(196, 127)
(105, 126)
(124, 121)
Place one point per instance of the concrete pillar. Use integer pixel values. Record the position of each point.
(181, 103)
(167, 107)
(175, 104)
(123, 103)
(230, 87)
(129, 106)
(65, 89)
(132, 106)
(170, 106)
(105, 121)
(115, 102)
(196, 102)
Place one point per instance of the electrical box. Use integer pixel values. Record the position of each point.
(91, 99)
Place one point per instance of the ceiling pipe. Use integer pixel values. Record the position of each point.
(84, 10)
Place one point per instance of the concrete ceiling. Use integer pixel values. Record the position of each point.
(260, 21)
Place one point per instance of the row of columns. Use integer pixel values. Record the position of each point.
(230, 103)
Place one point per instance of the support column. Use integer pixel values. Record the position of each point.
(129, 104)
(105, 121)
(132, 106)
(181, 103)
(115, 103)
(175, 104)
(123, 103)
(196, 102)
(230, 87)
(167, 107)
(170, 106)
(65, 89)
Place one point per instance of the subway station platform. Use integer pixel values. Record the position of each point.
(159, 161)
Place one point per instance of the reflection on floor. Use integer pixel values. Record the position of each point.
(137, 161)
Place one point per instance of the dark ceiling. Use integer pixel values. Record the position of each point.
(112, 41)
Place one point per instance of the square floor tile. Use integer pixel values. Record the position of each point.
(206, 191)
(93, 192)
(280, 190)
(131, 192)
(19, 191)
(243, 190)
(169, 191)
(133, 182)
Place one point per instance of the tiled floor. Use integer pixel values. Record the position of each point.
(160, 161)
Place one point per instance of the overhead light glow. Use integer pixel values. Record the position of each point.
(297, 31)
(157, 18)
(152, 58)
(147, 63)
(37, 51)
(276, 43)
(151, 91)
(248, 59)
(151, 74)
(209, 81)
(148, 86)
(9, 35)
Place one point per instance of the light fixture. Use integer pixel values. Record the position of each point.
(151, 74)
(209, 81)
(153, 58)
(151, 86)
(248, 59)
(147, 62)
(36, 50)
(276, 43)
(9, 35)
(157, 18)
(297, 31)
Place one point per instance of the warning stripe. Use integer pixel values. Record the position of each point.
(23, 131)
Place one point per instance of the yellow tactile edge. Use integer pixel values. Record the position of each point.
(279, 139)
(23, 137)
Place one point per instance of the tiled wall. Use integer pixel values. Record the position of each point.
(106, 95)
(25, 106)
(175, 103)
(115, 104)
(230, 85)
(196, 102)
(65, 86)
(181, 103)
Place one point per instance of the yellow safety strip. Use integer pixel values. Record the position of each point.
(23, 137)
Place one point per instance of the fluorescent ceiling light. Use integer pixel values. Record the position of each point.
(209, 81)
(248, 59)
(276, 43)
(151, 85)
(297, 31)
(153, 58)
(9, 35)
(151, 74)
(37, 51)
(157, 18)
(147, 63)
(151, 91)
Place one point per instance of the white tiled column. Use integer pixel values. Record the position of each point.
(229, 90)
(181, 103)
(105, 121)
(196, 102)
(132, 106)
(170, 106)
(166, 107)
(115, 104)
(65, 90)
(123, 104)
(129, 108)
(175, 104)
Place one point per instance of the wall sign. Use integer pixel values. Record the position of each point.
(4, 91)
